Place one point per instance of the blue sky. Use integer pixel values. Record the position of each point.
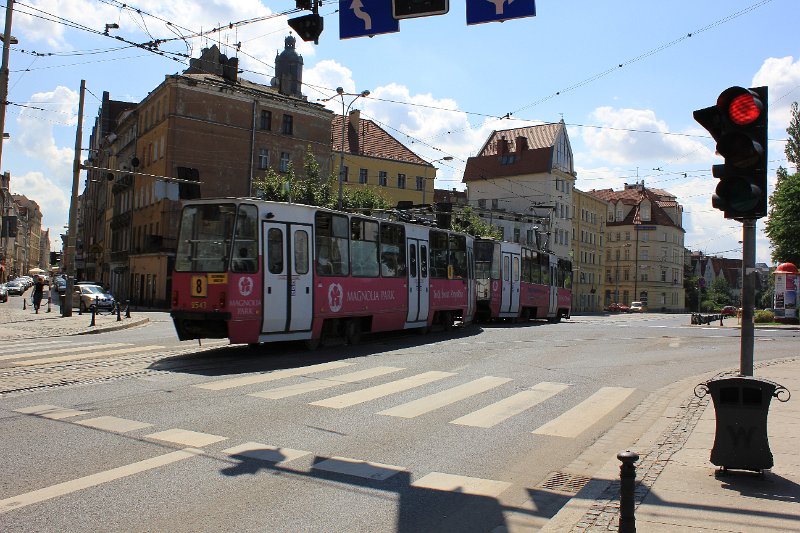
(437, 85)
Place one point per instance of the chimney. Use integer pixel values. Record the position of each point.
(354, 122)
(522, 144)
(502, 146)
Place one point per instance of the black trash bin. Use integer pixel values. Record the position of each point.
(741, 405)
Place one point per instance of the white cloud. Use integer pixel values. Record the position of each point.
(615, 142)
(52, 198)
(782, 76)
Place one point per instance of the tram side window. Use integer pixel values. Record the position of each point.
(458, 255)
(506, 268)
(301, 252)
(526, 265)
(412, 260)
(393, 250)
(439, 259)
(275, 251)
(515, 263)
(245, 241)
(536, 271)
(545, 269)
(332, 246)
(364, 247)
(423, 261)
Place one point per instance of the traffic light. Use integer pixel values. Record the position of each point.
(739, 125)
(308, 27)
(406, 9)
(304, 4)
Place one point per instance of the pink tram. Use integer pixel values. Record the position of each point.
(254, 271)
(516, 282)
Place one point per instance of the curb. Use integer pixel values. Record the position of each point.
(115, 327)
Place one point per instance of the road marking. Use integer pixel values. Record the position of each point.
(321, 384)
(27, 345)
(497, 412)
(185, 437)
(357, 468)
(585, 414)
(68, 487)
(272, 376)
(60, 350)
(90, 355)
(264, 452)
(379, 391)
(445, 397)
(52, 412)
(461, 484)
(112, 423)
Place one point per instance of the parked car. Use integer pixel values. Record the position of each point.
(729, 310)
(15, 287)
(618, 308)
(3, 293)
(638, 307)
(88, 295)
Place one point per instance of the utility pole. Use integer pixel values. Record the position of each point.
(69, 253)
(4, 74)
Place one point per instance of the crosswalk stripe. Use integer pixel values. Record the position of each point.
(358, 468)
(264, 452)
(185, 437)
(272, 376)
(445, 397)
(497, 412)
(462, 484)
(89, 355)
(20, 355)
(321, 384)
(27, 345)
(113, 423)
(52, 412)
(575, 421)
(379, 391)
(68, 487)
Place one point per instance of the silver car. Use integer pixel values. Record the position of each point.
(89, 295)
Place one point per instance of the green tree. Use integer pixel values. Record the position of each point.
(468, 221)
(783, 225)
(314, 189)
(720, 293)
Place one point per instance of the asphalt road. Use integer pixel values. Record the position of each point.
(456, 431)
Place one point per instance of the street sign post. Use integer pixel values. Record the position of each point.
(360, 18)
(480, 11)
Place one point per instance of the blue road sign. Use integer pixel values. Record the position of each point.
(360, 18)
(480, 11)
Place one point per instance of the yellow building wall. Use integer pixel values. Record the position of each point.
(393, 169)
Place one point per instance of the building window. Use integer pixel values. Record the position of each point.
(382, 178)
(345, 173)
(420, 183)
(288, 125)
(482, 203)
(495, 203)
(401, 181)
(263, 159)
(266, 120)
(516, 234)
(362, 175)
(284, 163)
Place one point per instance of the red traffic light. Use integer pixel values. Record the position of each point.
(741, 106)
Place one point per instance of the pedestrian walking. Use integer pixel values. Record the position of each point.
(38, 291)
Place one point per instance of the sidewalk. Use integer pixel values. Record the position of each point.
(677, 489)
(18, 323)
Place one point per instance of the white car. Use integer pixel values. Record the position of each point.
(638, 307)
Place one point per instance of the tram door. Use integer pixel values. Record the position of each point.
(418, 284)
(288, 278)
(553, 308)
(509, 302)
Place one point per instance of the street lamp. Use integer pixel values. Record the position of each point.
(425, 179)
(340, 92)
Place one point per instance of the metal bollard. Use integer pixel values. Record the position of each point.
(94, 311)
(119, 309)
(24, 303)
(127, 308)
(627, 485)
(48, 305)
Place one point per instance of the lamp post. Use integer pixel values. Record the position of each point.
(340, 92)
(425, 179)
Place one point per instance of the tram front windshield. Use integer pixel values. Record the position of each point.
(204, 242)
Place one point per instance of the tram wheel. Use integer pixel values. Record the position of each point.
(555, 319)
(352, 331)
(447, 320)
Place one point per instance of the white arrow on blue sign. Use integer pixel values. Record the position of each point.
(480, 11)
(360, 18)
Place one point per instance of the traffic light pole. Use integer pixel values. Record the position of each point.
(748, 296)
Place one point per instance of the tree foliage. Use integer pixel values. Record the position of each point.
(468, 221)
(783, 225)
(314, 189)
